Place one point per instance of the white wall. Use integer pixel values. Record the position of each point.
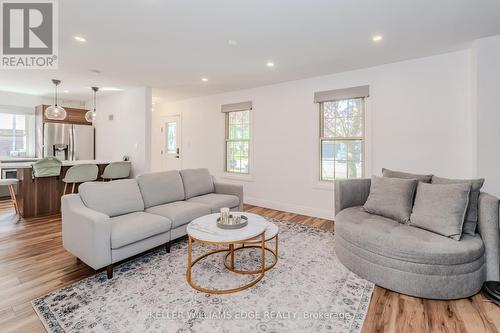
(8, 98)
(487, 83)
(418, 119)
(129, 131)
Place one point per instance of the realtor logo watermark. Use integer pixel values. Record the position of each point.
(29, 34)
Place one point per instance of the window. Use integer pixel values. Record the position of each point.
(16, 135)
(238, 142)
(342, 139)
(171, 138)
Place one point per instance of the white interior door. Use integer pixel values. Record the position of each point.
(171, 150)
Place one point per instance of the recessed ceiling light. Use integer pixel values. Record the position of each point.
(204, 79)
(232, 42)
(66, 91)
(377, 38)
(80, 39)
(270, 64)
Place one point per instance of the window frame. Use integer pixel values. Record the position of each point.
(28, 137)
(322, 139)
(233, 174)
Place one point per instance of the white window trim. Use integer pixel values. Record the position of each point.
(249, 177)
(30, 135)
(327, 185)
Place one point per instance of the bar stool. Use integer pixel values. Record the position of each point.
(10, 182)
(46, 167)
(80, 173)
(116, 170)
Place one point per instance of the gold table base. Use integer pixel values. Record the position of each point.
(230, 250)
(250, 245)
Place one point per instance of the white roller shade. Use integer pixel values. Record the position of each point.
(333, 95)
(243, 106)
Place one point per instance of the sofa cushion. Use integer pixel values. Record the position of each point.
(389, 238)
(441, 208)
(391, 197)
(130, 228)
(113, 198)
(180, 212)
(197, 182)
(216, 201)
(159, 188)
(470, 224)
(405, 175)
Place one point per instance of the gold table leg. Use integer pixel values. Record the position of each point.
(231, 251)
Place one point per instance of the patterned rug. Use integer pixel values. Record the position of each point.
(308, 290)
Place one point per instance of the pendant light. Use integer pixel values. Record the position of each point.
(55, 112)
(91, 114)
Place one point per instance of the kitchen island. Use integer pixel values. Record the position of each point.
(42, 196)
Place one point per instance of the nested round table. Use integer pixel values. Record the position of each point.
(204, 229)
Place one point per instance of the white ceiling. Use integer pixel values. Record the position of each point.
(170, 45)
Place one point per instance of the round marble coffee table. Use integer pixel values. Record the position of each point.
(204, 229)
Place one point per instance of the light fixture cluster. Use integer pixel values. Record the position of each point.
(230, 42)
(57, 112)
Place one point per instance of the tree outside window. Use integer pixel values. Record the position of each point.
(342, 139)
(238, 142)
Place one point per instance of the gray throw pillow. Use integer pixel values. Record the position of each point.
(391, 197)
(405, 175)
(470, 224)
(441, 208)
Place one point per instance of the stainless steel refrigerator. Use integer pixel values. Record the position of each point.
(68, 141)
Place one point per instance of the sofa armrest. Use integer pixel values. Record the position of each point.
(225, 188)
(350, 193)
(86, 233)
(489, 230)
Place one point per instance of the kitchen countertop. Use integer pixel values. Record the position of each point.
(19, 159)
(27, 165)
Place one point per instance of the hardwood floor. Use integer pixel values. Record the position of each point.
(33, 262)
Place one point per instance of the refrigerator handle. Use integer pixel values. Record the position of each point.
(71, 142)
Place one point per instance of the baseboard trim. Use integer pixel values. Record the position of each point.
(296, 209)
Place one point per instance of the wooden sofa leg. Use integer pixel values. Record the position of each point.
(78, 261)
(167, 247)
(109, 271)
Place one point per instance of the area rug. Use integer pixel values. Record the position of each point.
(308, 290)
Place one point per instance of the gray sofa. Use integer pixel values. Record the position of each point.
(410, 260)
(107, 222)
